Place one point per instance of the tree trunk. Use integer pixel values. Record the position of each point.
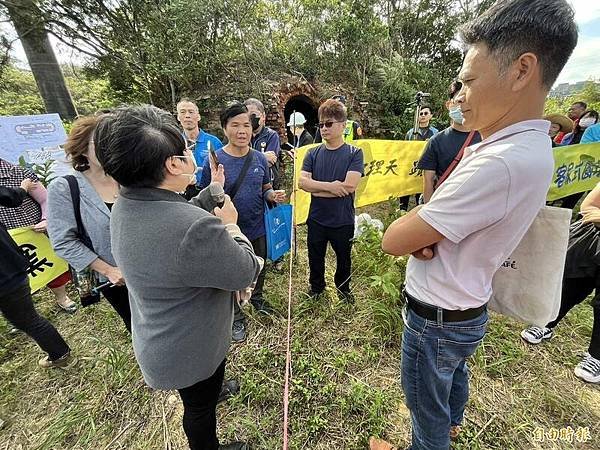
(29, 23)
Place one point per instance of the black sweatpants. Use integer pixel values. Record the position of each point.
(17, 307)
(575, 291)
(118, 297)
(341, 242)
(200, 411)
(260, 249)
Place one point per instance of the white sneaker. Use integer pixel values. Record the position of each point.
(588, 369)
(535, 335)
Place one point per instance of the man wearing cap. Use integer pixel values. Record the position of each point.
(559, 126)
(352, 131)
(296, 126)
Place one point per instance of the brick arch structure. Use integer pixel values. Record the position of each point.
(289, 96)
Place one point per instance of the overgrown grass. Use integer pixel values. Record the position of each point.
(345, 376)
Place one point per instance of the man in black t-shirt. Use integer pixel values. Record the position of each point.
(442, 148)
(331, 172)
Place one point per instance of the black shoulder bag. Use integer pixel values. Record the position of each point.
(240, 179)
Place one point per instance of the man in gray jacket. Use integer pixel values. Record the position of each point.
(182, 264)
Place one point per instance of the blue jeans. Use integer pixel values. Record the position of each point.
(435, 379)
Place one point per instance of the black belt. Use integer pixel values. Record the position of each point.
(430, 312)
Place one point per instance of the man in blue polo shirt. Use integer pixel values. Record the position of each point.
(189, 118)
(331, 172)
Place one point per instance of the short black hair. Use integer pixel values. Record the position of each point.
(454, 89)
(232, 110)
(426, 107)
(582, 104)
(510, 28)
(133, 143)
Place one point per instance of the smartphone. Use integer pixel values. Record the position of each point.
(213, 157)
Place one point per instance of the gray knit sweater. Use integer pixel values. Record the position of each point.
(181, 266)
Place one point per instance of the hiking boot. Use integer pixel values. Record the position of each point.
(63, 361)
(228, 390)
(535, 335)
(235, 446)
(238, 331)
(588, 369)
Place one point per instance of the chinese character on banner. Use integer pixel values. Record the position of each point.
(415, 170)
(390, 167)
(374, 167)
(44, 264)
(35, 264)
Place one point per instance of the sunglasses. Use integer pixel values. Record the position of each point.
(328, 124)
(424, 113)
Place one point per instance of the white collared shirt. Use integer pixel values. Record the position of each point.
(483, 210)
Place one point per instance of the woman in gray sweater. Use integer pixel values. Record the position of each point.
(181, 263)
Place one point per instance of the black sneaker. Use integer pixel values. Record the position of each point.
(235, 446)
(238, 331)
(262, 306)
(346, 297)
(228, 390)
(535, 335)
(314, 294)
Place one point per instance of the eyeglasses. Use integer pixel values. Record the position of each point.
(329, 123)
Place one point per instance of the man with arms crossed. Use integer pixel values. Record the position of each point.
(331, 172)
(477, 217)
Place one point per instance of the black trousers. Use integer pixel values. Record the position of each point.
(199, 411)
(118, 297)
(575, 291)
(340, 239)
(260, 249)
(17, 307)
(403, 202)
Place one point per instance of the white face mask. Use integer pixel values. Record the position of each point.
(192, 176)
(587, 122)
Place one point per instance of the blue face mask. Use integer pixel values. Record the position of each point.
(456, 115)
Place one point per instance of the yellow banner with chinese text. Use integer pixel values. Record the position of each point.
(390, 171)
(44, 264)
(576, 169)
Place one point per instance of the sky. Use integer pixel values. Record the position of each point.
(583, 65)
(585, 61)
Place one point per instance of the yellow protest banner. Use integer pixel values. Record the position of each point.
(576, 169)
(44, 265)
(390, 171)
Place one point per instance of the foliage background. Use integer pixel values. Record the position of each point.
(383, 51)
